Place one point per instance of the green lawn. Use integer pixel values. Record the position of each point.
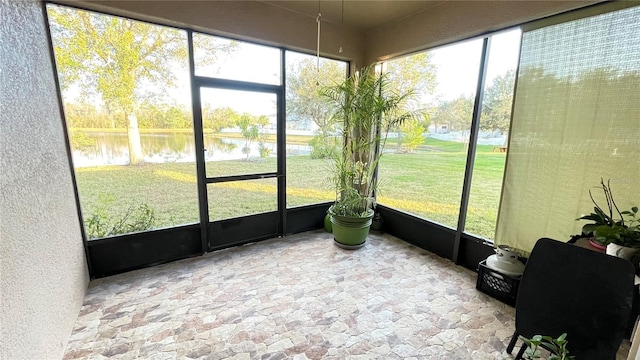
(427, 183)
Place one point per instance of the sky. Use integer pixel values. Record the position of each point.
(457, 69)
(458, 64)
(248, 62)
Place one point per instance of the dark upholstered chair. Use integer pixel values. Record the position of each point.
(569, 289)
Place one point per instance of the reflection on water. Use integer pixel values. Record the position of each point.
(112, 149)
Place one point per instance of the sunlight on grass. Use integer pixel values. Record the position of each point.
(177, 176)
(427, 183)
(270, 189)
(103, 168)
(418, 206)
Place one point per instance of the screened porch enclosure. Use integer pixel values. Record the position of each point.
(213, 139)
(236, 147)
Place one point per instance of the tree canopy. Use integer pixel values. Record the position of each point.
(120, 61)
(498, 99)
(304, 103)
(455, 113)
(415, 74)
(219, 118)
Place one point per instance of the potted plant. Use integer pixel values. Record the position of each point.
(366, 107)
(618, 230)
(557, 347)
(376, 222)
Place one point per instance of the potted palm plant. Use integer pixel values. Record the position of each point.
(366, 107)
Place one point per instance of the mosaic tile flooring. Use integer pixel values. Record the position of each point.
(299, 297)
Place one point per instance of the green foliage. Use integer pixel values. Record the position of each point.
(497, 103)
(116, 59)
(135, 218)
(163, 116)
(426, 121)
(351, 203)
(113, 55)
(219, 118)
(412, 137)
(606, 228)
(366, 107)
(415, 74)
(84, 115)
(323, 147)
(403, 184)
(177, 118)
(304, 102)
(80, 141)
(455, 113)
(557, 347)
(249, 127)
(263, 150)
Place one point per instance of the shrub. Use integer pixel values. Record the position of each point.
(323, 147)
(81, 141)
(136, 218)
(412, 137)
(263, 150)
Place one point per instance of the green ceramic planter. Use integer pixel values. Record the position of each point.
(350, 231)
(327, 223)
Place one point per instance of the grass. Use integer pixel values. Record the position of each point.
(427, 183)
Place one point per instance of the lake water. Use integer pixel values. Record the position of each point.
(112, 149)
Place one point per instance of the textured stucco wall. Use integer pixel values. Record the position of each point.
(43, 269)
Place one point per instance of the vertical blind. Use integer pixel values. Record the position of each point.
(576, 119)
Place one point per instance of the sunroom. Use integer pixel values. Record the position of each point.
(165, 166)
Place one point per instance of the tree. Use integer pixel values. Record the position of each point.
(117, 59)
(304, 103)
(412, 137)
(250, 128)
(150, 115)
(177, 118)
(83, 115)
(219, 118)
(456, 114)
(412, 74)
(496, 106)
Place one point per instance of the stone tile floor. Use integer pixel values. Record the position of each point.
(299, 297)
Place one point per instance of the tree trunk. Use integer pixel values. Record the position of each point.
(133, 135)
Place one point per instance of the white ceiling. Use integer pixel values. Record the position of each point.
(362, 14)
